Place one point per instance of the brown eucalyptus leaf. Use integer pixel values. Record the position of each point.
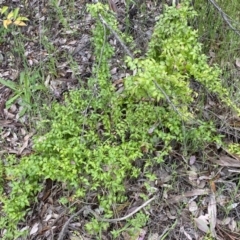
(226, 162)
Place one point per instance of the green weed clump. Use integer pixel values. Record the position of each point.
(174, 59)
(97, 135)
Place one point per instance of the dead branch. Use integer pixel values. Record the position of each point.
(89, 210)
(64, 229)
(116, 36)
(225, 17)
(125, 217)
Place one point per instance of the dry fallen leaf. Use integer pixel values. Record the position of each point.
(222, 200)
(192, 160)
(193, 193)
(34, 228)
(226, 161)
(212, 212)
(225, 221)
(193, 206)
(169, 215)
(202, 223)
(185, 233)
(237, 62)
(25, 143)
(232, 225)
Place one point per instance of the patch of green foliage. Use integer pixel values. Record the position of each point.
(97, 135)
(173, 59)
(234, 148)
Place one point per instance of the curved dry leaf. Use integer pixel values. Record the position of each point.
(225, 221)
(34, 228)
(182, 230)
(193, 206)
(222, 200)
(232, 225)
(169, 215)
(113, 6)
(25, 143)
(48, 217)
(202, 224)
(226, 161)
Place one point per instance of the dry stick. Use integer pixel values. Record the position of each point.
(114, 220)
(64, 229)
(116, 36)
(166, 96)
(225, 17)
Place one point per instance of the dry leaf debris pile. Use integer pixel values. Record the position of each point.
(190, 200)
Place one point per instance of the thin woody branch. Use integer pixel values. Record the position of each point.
(225, 17)
(115, 35)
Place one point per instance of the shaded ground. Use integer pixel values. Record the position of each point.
(191, 195)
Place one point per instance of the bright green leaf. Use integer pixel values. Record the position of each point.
(15, 13)
(4, 9)
(9, 84)
(12, 100)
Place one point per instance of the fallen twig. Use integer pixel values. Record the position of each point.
(64, 229)
(65, 226)
(114, 220)
(113, 32)
(115, 35)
